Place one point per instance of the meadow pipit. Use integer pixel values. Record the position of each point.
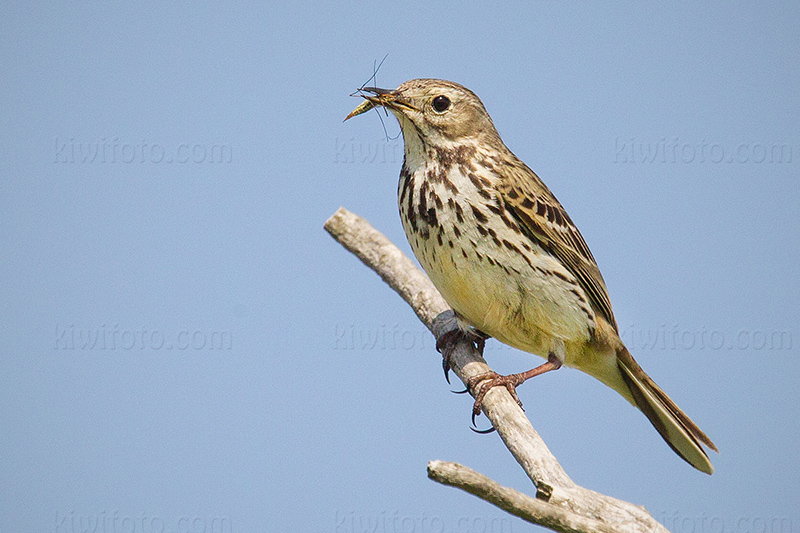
(506, 256)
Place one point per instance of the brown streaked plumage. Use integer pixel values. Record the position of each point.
(506, 255)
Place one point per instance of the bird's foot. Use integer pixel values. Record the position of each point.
(479, 385)
(448, 333)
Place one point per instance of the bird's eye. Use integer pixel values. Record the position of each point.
(441, 103)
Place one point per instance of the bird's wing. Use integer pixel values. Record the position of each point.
(545, 221)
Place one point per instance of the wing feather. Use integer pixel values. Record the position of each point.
(545, 221)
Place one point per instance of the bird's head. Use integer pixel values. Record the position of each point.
(435, 112)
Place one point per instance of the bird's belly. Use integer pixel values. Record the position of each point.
(525, 312)
(525, 302)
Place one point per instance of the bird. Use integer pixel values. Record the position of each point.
(506, 256)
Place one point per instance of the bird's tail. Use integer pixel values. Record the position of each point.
(682, 435)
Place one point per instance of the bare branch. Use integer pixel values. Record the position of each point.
(560, 504)
(382, 256)
(510, 500)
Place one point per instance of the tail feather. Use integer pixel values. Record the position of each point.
(676, 428)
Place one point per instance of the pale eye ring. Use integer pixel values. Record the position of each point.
(441, 103)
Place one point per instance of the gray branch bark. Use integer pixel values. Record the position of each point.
(560, 504)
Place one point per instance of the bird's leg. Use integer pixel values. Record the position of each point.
(448, 333)
(480, 385)
(447, 341)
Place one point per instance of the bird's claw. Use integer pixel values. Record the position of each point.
(446, 340)
(476, 411)
(481, 384)
(484, 431)
(447, 335)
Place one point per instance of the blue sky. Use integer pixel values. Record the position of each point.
(184, 348)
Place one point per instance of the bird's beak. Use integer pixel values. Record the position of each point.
(388, 98)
